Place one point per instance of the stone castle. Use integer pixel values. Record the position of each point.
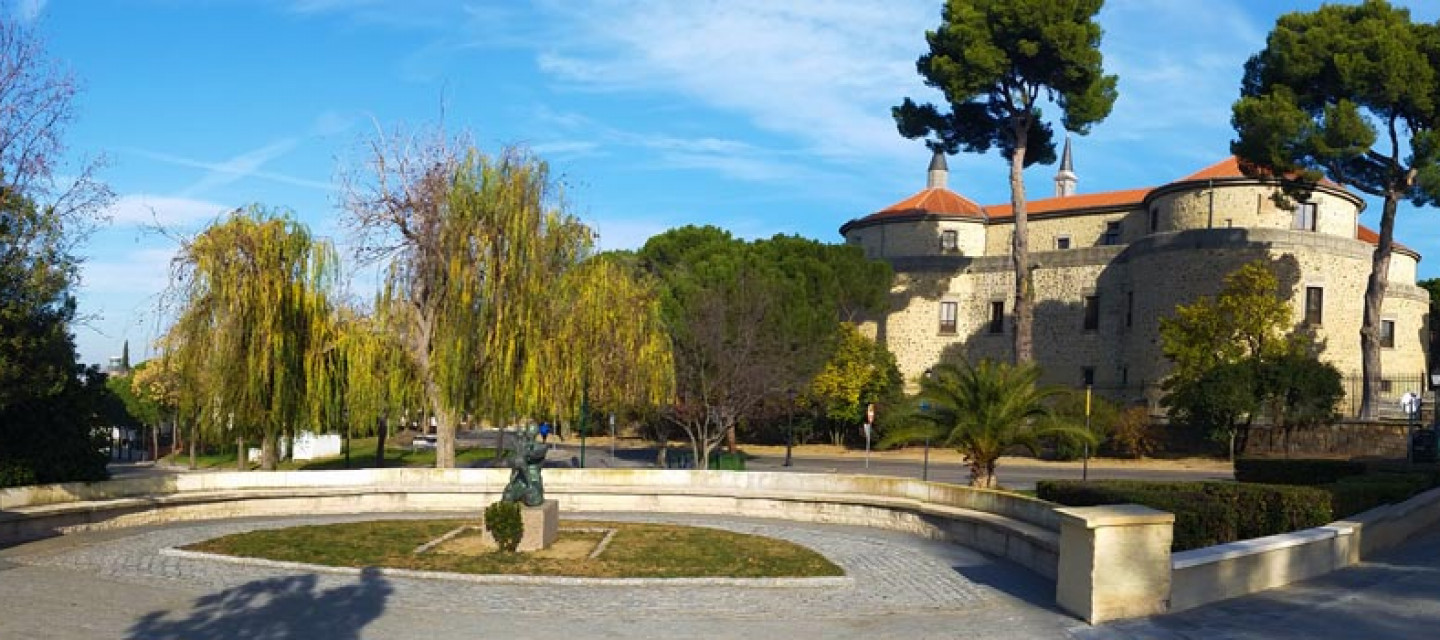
(1108, 266)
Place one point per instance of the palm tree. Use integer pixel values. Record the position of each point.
(981, 411)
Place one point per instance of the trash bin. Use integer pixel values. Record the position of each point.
(1423, 446)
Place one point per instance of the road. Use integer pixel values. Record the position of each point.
(1014, 473)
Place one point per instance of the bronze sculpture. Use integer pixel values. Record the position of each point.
(525, 486)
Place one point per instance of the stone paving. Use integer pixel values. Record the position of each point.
(901, 586)
(118, 584)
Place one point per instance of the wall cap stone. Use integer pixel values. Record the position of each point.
(1114, 515)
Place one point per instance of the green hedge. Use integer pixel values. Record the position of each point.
(1206, 513)
(1295, 472)
(1358, 494)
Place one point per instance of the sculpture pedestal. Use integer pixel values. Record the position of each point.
(542, 525)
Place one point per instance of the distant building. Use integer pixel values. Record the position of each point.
(1108, 266)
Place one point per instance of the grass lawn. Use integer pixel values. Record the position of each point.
(362, 456)
(636, 551)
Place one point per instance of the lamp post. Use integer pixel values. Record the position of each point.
(1085, 463)
(584, 409)
(789, 426)
(925, 408)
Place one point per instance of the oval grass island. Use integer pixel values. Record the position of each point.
(585, 549)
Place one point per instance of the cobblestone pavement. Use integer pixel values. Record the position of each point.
(118, 584)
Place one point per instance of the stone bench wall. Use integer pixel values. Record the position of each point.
(1020, 529)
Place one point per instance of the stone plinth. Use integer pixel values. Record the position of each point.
(1114, 561)
(542, 525)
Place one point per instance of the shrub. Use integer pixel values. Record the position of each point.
(502, 520)
(14, 473)
(1296, 472)
(1206, 513)
(1358, 494)
(1134, 434)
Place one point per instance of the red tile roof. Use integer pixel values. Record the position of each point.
(1115, 199)
(1230, 168)
(933, 201)
(1369, 236)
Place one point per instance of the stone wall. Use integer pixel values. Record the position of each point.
(1343, 440)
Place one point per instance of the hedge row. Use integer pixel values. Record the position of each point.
(1357, 494)
(1206, 513)
(1295, 472)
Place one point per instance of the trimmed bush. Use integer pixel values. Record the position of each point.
(502, 520)
(1358, 494)
(1295, 472)
(1206, 513)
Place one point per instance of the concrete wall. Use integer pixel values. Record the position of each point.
(1202, 576)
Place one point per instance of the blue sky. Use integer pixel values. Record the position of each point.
(758, 116)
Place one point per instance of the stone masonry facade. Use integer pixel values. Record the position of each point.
(1108, 266)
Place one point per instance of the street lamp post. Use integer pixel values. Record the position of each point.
(925, 408)
(1085, 463)
(789, 427)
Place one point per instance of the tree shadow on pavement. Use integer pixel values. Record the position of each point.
(274, 608)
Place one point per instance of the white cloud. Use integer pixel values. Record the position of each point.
(820, 72)
(166, 211)
(29, 10)
(140, 274)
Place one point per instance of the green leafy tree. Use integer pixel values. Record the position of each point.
(473, 246)
(996, 62)
(750, 321)
(1247, 320)
(50, 405)
(859, 372)
(1235, 361)
(1350, 93)
(255, 289)
(981, 411)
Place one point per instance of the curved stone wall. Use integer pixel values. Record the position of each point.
(1020, 529)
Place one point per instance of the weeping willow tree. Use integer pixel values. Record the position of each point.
(379, 379)
(474, 244)
(609, 349)
(253, 326)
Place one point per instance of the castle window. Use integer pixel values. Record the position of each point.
(1092, 313)
(1154, 219)
(1112, 234)
(1305, 216)
(1124, 376)
(1087, 376)
(1314, 305)
(948, 241)
(1387, 334)
(1062, 242)
(997, 316)
(947, 317)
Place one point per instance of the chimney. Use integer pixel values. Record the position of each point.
(1065, 178)
(939, 173)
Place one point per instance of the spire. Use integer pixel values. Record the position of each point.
(939, 173)
(1065, 178)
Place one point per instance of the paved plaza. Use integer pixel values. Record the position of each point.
(123, 583)
(119, 584)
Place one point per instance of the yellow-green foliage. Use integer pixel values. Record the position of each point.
(608, 337)
(859, 372)
(255, 293)
(1248, 319)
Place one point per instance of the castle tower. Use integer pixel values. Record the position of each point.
(939, 173)
(1065, 178)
